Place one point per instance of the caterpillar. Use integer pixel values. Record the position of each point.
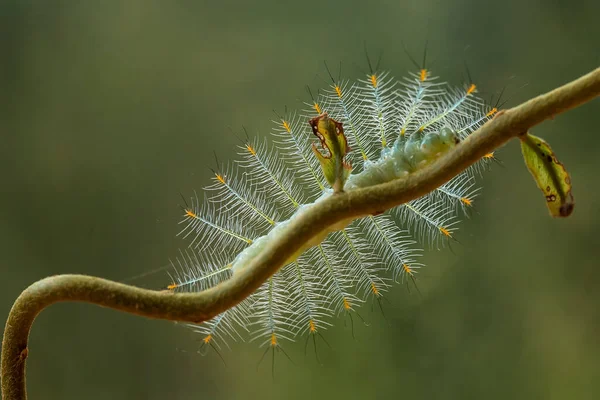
(393, 128)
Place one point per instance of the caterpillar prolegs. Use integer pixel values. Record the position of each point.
(393, 128)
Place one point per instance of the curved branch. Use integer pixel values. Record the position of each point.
(198, 307)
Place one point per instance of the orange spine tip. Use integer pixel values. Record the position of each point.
(374, 289)
(403, 132)
(445, 231)
(311, 326)
(220, 178)
(317, 108)
(407, 269)
(172, 286)
(191, 214)
(273, 340)
(466, 201)
(346, 304)
(286, 126)
(374, 80)
(471, 89)
(491, 112)
(423, 75)
(251, 149)
(338, 91)
(207, 339)
(489, 156)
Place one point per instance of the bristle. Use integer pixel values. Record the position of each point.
(393, 247)
(265, 172)
(365, 270)
(459, 192)
(271, 314)
(379, 108)
(202, 221)
(334, 276)
(430, 221)
(417, 95)
(305, 298)
(194, 272)
(236, 196)
(295, 145)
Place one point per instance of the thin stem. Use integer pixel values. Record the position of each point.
(198, 307)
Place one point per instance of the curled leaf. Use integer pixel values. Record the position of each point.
(335, 147)
(550, 175)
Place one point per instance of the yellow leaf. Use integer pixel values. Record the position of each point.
(550, 175)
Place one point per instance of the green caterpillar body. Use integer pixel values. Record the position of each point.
(393, 129)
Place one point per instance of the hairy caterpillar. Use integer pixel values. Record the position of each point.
(393, 128)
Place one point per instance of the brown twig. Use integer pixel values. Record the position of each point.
(198, 307)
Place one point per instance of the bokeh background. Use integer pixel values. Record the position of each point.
(109, 109)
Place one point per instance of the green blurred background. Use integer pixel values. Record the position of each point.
(109, 109)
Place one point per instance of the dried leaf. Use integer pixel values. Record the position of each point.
(335, 147)
(550, 175)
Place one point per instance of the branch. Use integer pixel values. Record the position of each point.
(199, 307)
